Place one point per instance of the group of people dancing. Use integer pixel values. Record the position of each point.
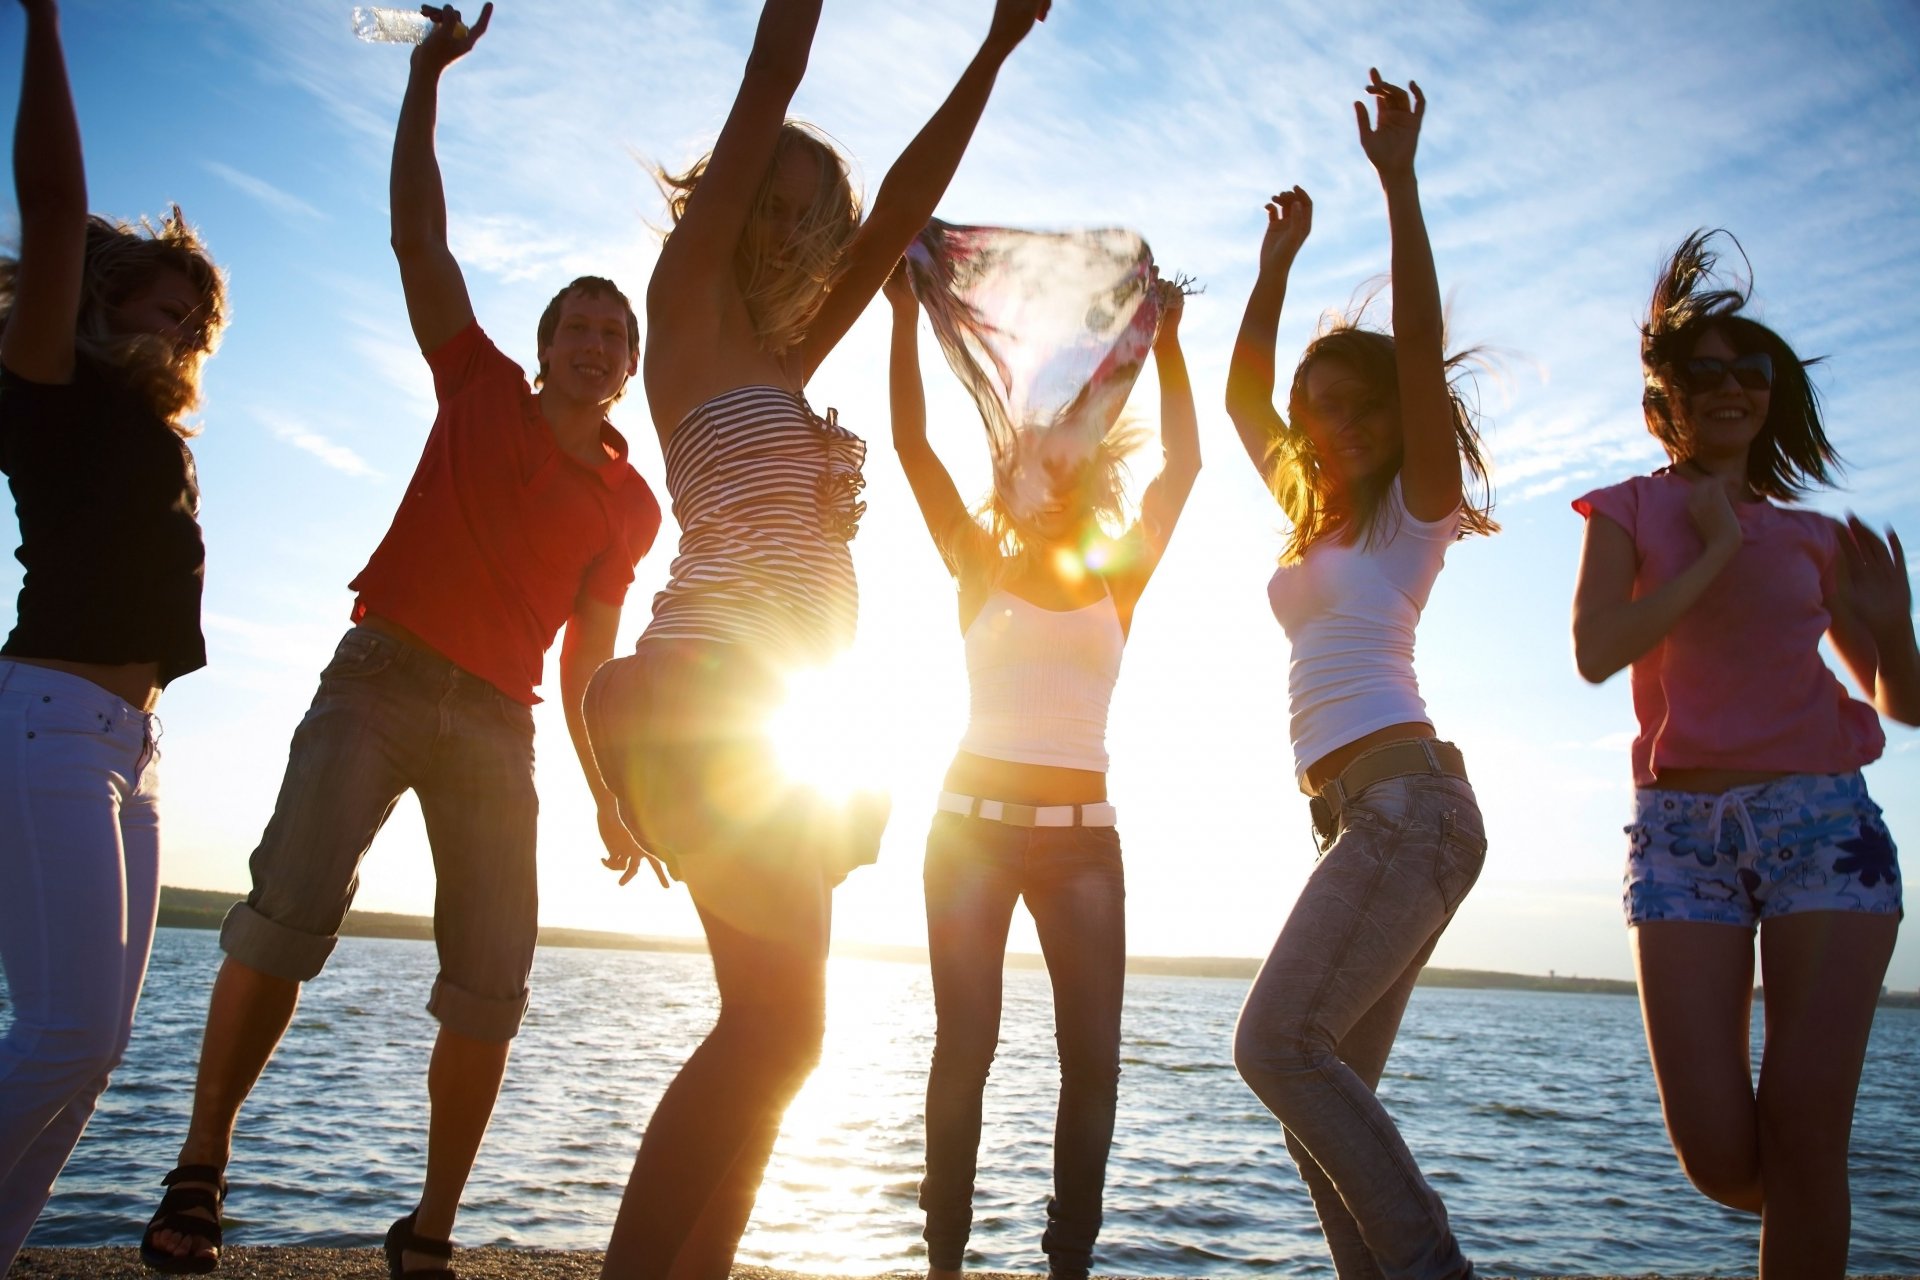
(525, 518)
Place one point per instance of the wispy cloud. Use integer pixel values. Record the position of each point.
(306, 439)
(263, 191)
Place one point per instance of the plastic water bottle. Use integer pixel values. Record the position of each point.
(394, 26)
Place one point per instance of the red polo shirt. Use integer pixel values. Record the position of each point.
(500, 531)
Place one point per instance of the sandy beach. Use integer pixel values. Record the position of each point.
(472, 1264)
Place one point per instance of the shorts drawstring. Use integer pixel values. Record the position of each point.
(1737, 803)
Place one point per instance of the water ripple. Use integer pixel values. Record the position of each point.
(1534, 1112)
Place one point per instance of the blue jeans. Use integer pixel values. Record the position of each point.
(1072, 881)
(1320, 1021)
(390, 717)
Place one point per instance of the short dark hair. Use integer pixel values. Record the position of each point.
(1792, 454)
(593, 287)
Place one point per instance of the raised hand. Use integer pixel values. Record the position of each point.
(1877, 583)
(1012, 19)
(451, 39)
(1289, 223)
(1392, 137)
(899, 289)
(1173, 304)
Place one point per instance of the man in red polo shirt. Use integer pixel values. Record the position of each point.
(522, 516)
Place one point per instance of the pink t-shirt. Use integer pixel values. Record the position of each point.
(1738, 683)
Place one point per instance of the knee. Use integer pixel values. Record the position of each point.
(962, 1054)
(785, 1042)
(76, 1055)
(1092, 1069)
(1268, 1057)
(1723, 1172)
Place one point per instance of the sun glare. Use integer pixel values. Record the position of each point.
(825, 733)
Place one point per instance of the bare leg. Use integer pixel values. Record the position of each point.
(463, 1082)
(1822, 972)
(246, 1017)
(1696, 998)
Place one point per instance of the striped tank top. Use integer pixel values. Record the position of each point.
(766, 493)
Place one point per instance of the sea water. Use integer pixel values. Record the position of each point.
(1533, 1114)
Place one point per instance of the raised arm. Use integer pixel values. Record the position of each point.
(917, 180)
(1872, 611)
(437, 302)
(1611, 628)
(1250, 373)
(697, 260)
(1166, 495)
(50, 179)
(1430, 470)
(961, 542)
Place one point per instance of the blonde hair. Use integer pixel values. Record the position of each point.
(783, 297)
(121, 258)
(1107, 501)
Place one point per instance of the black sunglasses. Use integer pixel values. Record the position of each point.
(1703, 374)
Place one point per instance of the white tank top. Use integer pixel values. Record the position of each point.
(1349, 611)
(1040, 681)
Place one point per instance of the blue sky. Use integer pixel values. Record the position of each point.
(1566, 148)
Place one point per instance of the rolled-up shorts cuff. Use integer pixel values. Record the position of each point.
(476, 1016)
(272, 947)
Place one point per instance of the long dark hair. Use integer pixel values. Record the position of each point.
(1792, 454)
(1300, 483)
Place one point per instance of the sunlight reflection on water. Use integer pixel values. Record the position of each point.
(1534, 1115)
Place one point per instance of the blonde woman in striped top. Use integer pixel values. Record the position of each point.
(767, 266)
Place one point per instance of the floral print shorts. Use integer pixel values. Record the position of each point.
(1806, 842)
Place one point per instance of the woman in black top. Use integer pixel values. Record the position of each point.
(103, 329)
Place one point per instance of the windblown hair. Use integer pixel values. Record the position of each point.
(1300, 482)
(121, 258)
(1791, 455)
(592, 287)
(784, 285)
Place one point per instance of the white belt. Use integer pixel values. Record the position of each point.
(1098, 814)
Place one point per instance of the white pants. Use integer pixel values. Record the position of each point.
(79, 888)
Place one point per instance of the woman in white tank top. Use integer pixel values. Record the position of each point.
(1368, 470)
(1024, 811)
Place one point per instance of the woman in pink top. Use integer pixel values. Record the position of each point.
(1750, 811)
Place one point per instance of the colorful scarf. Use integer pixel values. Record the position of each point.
(1047, 331)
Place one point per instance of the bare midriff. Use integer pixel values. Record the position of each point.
(135, 683)
(1334, 763)
(988, 779)
(1713, 781)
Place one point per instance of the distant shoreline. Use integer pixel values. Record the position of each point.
(205, 908)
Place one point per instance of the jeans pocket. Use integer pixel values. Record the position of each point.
(1462, 853)
(360, 653)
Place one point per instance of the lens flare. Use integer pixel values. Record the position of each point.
(825, 734)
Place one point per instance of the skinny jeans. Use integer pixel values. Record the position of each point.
(1320, 1020)
(1072, 880)
(80, 866)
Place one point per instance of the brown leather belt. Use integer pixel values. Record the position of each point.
(1394, 760)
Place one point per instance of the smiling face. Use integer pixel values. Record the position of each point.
(589, 356)
(1354, 432)
(1723, 416)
